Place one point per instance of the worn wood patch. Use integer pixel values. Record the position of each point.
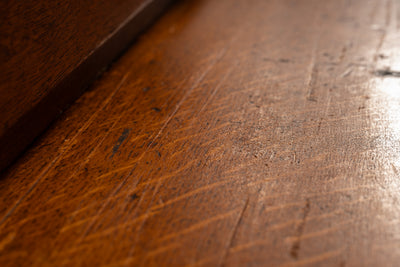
(233, 133)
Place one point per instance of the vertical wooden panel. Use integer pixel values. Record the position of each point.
(50, 51)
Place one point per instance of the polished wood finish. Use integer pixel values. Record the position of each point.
(50, 51)
(233, 133)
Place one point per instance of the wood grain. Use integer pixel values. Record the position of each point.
(50, 51)
(233, 133)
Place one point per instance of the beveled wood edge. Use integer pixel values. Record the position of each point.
(20, 135)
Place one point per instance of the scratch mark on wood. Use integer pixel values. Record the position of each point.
(106, 202)
(228, 73)
(315, 259)
(162, 249)
(152, 253)
(199, 225)
(312, 77)
(395, 169)
(347, 72)
(382, 38)
(195, 84)
(120, 140)
(191, 193)
(283, 225)
(112, 229)
(324, 231)
(30, 189)
(379, 46)
(92, 152)
(294, 251)
(63, 150)
(218, 58)
(234, 232)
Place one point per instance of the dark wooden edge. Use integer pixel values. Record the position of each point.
(34, 122)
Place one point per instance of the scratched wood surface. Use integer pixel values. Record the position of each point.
(233, 133)
(50, 51)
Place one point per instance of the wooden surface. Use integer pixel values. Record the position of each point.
(50, 51)
(233, 133)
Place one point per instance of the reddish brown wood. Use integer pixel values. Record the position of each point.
(50, 51)
(233, 133)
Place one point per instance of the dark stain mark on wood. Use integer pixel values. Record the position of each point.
(120, 140)
(284, 60)
(145, 89)
(294, 251)
(158, 153)
(319, 124)
(387, 72)
(156, 109)
(382, 56)
(134, 196)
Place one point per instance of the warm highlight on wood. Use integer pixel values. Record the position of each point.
(50, 51)
(233, 133)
